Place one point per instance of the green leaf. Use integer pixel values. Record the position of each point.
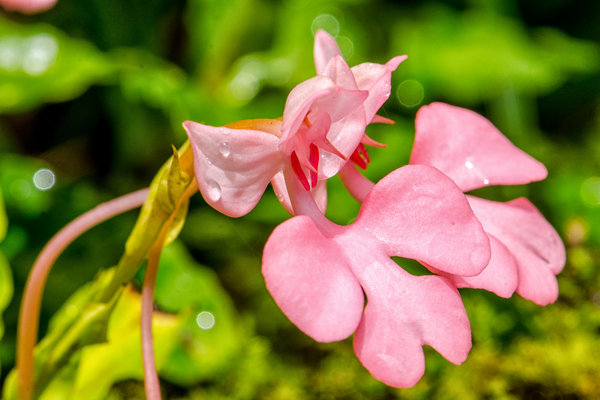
(39, 64)
(3, 219)
(6, 280)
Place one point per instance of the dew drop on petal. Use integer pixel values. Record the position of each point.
(214, 190)
(225, 149)
(469, 165)
(486, 182)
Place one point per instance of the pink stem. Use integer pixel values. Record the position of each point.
(32, 298)
(357, 185)
(151, 382)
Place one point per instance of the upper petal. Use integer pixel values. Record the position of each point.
(325, 49)
(469, 149)
(418, 212)
(299, 101)
(340, 73)
(376, 79)
(233, 166)
(534, 244)
(310, 279)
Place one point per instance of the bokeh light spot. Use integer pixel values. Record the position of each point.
(44, 179)
(590, 191)
(40, 55)
(205, 320)
(596, 299)
(20, 189)
(346, 47)
(410, 93)
(328, 23)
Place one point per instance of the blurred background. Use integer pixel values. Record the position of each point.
(93, 94)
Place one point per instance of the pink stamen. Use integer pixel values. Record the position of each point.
(297, 168)
(360, 157)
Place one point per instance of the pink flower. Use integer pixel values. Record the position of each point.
(27, 6)
(323, 123)
(527, 252)
(317, 271)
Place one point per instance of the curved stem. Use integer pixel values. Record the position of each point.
(32, 297)
(151, 381)
(356, 183)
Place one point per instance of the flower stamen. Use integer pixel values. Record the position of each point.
(298, 171)
(360, 157)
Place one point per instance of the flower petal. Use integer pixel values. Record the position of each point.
(345, 135)
(319, 193)
(469, 149)
(376, 79)
(418, 212)
(310, 280)
(403, 313)
(536, 247)
(500, 276)
(340, 73)
(233, 166)
(299, 101)
(27, 6)
(325, 49)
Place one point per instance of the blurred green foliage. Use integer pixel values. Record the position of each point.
(6, 282)
(96, 91)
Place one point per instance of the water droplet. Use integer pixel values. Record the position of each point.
(485, 181)
(214, 190)
(208, 161)
(280, 197)
(225, 149)
(469, 165)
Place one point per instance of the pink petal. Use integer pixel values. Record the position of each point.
(500, 276)
(469, 149)
(27, 6)
(339, 72)
(299, 101)
(310, 280)
(319, 193)
(403, 313)
(376, 79)
(325, 49)
(345, 135)
(533, 243)
(378, 119)
(418, 212)
(233, 166)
